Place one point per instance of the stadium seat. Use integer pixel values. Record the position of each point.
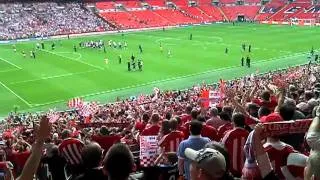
(232, 12)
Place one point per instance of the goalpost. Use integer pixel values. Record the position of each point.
(302, 22)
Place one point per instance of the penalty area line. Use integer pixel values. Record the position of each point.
(19, 97)
(11, 63)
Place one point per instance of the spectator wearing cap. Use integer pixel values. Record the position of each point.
(234, 141)
(118, 162)
(196, 142)
(92, 156)
(206, 164)
(296, 162)
(219, 147)
(215, 120)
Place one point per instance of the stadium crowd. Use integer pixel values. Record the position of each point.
(29, 20)
(196, 142)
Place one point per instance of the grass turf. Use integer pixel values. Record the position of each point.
(58, 75)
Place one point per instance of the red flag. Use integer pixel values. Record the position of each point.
(204, 98)
(222, 88)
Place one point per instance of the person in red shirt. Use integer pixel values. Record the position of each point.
(186, 117)
(222, 130)
(234, 141)
(128, 138)
(278, 153)
(70, 149)
(215, 120)
(141, 125)
(20, 155)
(207, 131)
(181, 127)
(171, 141)
(266, 99)
(194, 114)
(154, 128)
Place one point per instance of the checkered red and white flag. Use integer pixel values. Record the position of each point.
(53, 116)
(75, 103)
(88, 109)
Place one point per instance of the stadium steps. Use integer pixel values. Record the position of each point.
(223, 14)
(258, 14)
(278, 12)
(162, 17)
(199, 9)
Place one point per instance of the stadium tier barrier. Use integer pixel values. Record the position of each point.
(287, 23)
(100, 33)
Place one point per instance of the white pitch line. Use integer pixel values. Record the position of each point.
(80, 56)
(10, 63)
(8, 70)
(73, 59)
(23, 100)
(52, 77)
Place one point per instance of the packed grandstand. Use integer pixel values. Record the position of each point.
(260, 126)
(41, 19)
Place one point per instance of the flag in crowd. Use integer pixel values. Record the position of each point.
(75, 103)
(210, 98)
(156, 93)
(53, 116)
(88, 109)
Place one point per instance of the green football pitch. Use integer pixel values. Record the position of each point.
(57, 75)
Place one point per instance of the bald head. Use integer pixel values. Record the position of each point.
(91, 155)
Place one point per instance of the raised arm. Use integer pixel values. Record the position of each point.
(33, 161)
(281, 98)
(261, 156)
(313, 134)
